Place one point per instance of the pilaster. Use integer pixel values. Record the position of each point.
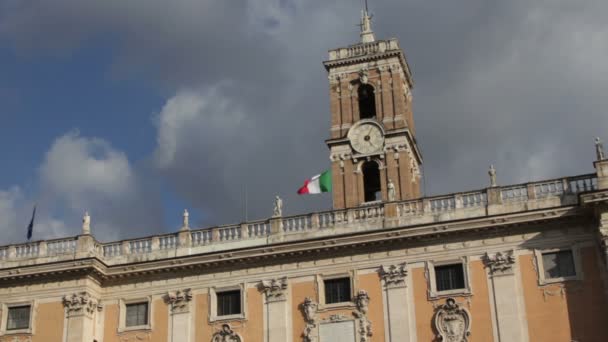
(397, 311)
(277, 323)
(510, 315)
(80, 310)
(180, 322)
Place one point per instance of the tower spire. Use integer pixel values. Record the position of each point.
(367, 35)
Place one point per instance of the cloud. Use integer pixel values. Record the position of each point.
(80, 174)
(516, 83)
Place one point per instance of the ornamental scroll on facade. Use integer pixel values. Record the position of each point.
(81, 303)
(179, 300)
(226, 334)
(452, 322)
(275, 289)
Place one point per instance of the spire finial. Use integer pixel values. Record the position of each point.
(367, 35)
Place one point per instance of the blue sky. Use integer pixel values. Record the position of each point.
(136, 110)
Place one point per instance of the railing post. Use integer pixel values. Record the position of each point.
(215, 234)
(184, 238)
(126, 248)
(85, 246)
(494, 200)
(531, 189)
(155, 244)
(426, 205)
(601, 169)
(458, 201)
(314, 221)
(390, 214)
(12, 252)
(244, 231)
(42, 249)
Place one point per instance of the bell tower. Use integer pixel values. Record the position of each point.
(372, 141)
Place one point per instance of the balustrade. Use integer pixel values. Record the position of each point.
(369, 217)
(61, 246)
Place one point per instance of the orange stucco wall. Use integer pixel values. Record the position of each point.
(481, 319)
(576, 313)
(160, 324)
(252, 329)
(49, 322)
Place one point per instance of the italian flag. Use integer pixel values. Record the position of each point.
(317, 184)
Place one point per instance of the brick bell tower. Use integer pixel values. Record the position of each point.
(372, 141)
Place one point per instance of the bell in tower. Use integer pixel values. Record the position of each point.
(372, 138)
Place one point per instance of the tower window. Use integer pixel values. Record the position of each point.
(371, 181)
(559, 264)
(367, 102)
(18, 317)
(229, 303)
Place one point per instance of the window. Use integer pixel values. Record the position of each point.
(449, 277)
(18, 317)
(137, 314)
(337, 290)
(229, 303)
(559, 264)
(371, 181)
(367, 101)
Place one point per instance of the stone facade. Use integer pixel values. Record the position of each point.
(391, 256)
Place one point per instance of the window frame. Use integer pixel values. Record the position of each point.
(4, 319)
(432, 278)
(540, 266)
(213, 314)
(320, 280)
(122, 327)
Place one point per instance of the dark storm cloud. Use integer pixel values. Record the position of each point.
(516, 83)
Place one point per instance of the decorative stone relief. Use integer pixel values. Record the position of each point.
(226, 334)
(364, 76)
(135, 337)
(500, 263)
(274, 289)
(16, 339)
(393, 275)
(452, 322)
(309, 308)
(179, 300)
(81, 304)
(365, 325)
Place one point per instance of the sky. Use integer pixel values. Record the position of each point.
(135, 110)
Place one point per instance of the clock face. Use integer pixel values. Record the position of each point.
(366, 138)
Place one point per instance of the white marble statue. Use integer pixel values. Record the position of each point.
(391, 190)
(278, 207)
(86, 223)
(492, 173)
(599, 149)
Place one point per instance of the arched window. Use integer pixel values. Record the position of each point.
(371, 181)
(367, 102)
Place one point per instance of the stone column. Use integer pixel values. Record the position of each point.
(80, 309)
(278, 323)
(180, 319)
(507, 298)
(396, 303)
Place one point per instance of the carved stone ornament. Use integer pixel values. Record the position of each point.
(81, 304)
(275, 289)
(19, 338)
(452, 322)
(393, 275)
(179, 300)
(309, 308)
(363, 76)
(501, 262)
(365, 325)
(226, 334)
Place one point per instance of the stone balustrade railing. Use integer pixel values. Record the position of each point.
(508, 199)
(379, 46)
